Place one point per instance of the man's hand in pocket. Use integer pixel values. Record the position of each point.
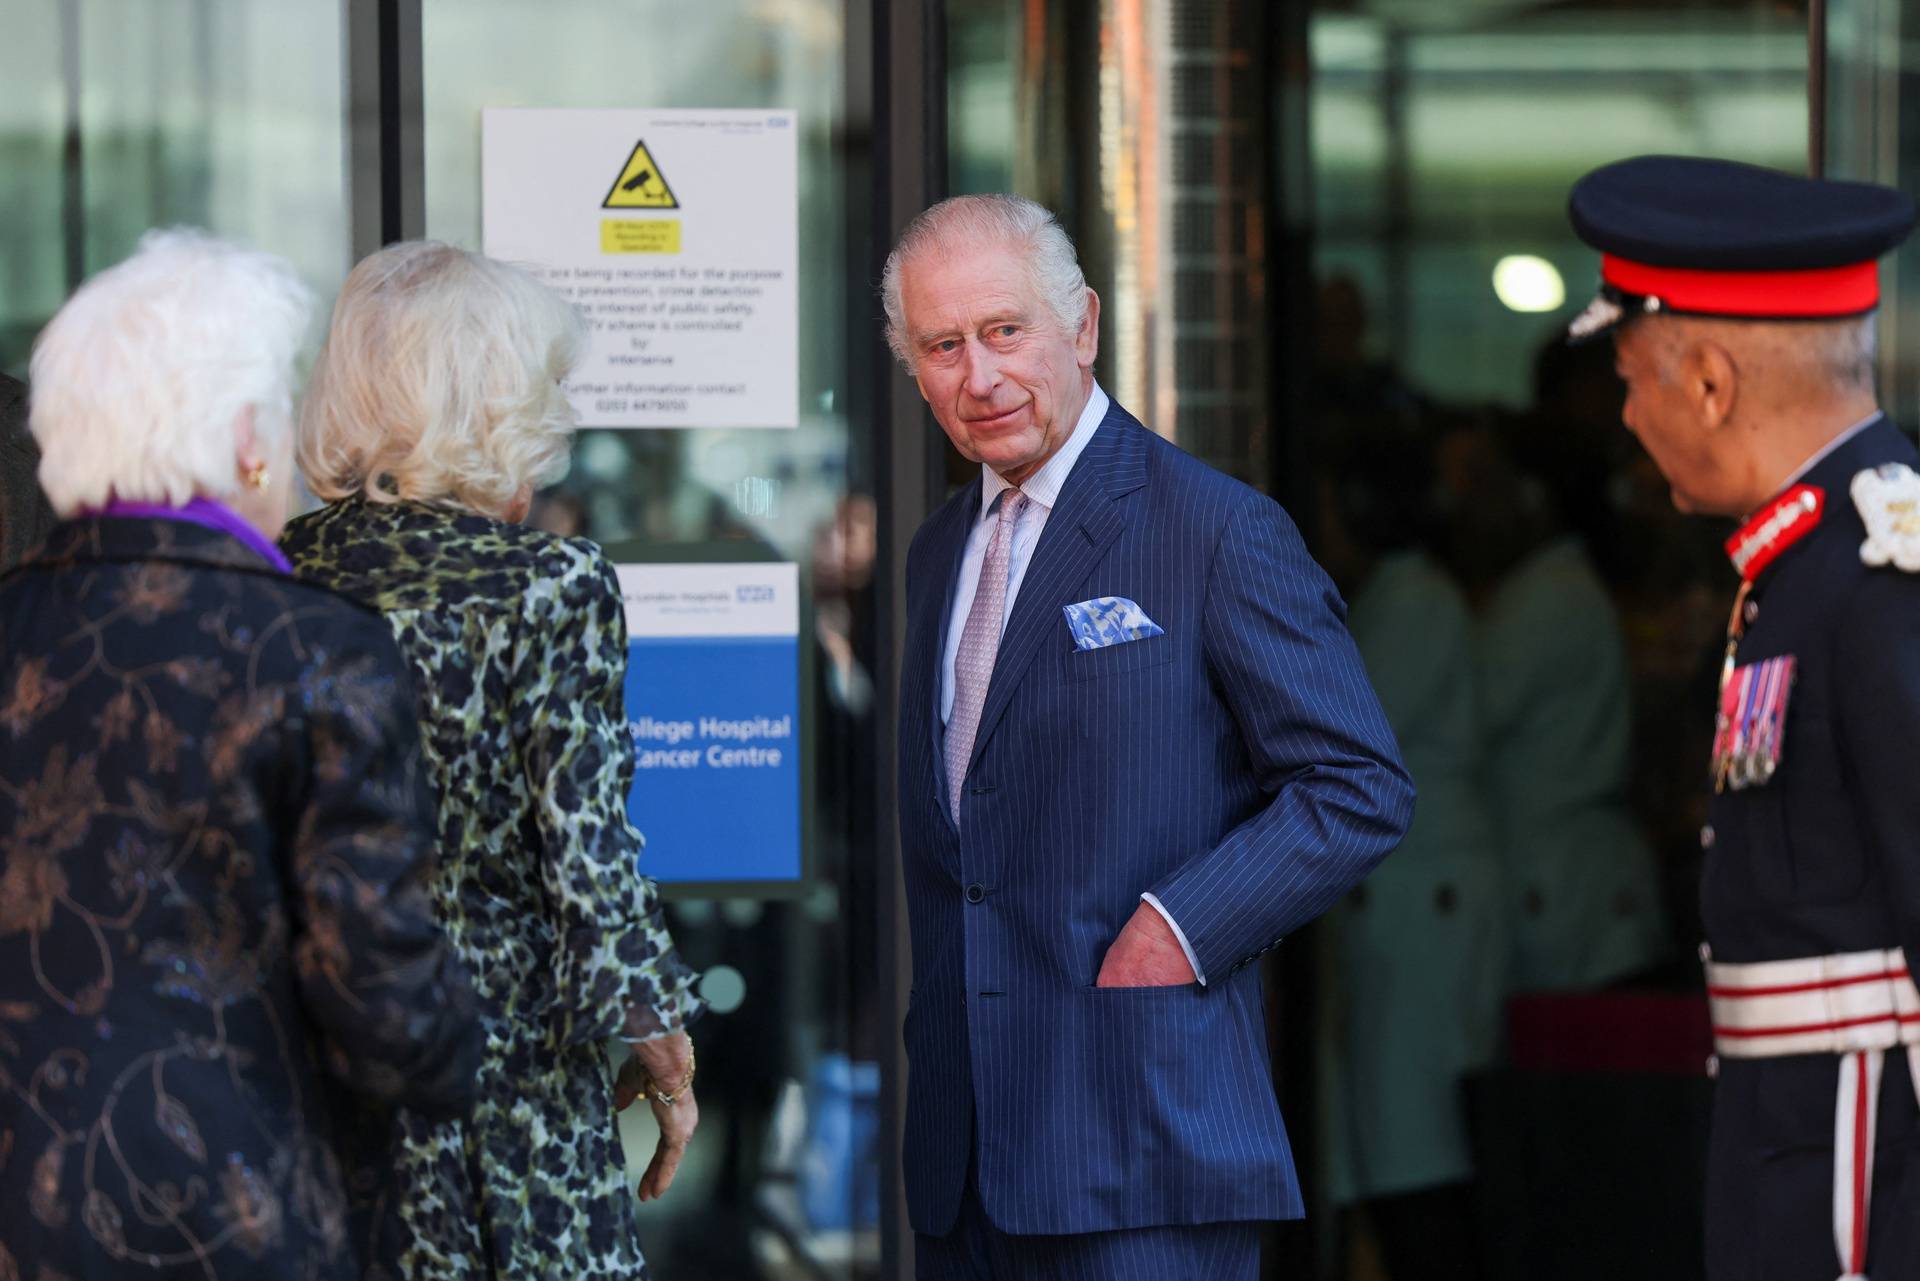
(1145, 955)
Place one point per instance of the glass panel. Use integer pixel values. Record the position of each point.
(1440, 149)
(783, 1178)
(121, 115)
(1465, 452)
(984, 57)
(32, 107)
(1872, 59)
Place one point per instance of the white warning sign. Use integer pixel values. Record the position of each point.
(685, 264)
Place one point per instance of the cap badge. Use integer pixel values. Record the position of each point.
(1602, 313)
(1888, 497)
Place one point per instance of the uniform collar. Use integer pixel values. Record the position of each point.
(1774, 528)
(1044, 486)
(1768, 533)
(1820, 455)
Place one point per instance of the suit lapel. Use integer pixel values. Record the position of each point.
(1079, 530)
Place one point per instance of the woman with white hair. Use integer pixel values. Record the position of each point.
(208, 922)
(434, 413)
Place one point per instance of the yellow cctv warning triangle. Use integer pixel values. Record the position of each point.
(640, 185)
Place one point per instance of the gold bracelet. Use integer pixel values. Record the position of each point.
(670, 1097)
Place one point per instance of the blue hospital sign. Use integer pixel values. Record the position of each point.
(713, 704)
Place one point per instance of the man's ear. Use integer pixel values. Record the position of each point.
(1086, 343)
(1712, 382)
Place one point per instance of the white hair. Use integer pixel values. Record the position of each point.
(440, 381)
(138, 380)
(1014, 221)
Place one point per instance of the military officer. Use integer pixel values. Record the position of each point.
(1741, 305)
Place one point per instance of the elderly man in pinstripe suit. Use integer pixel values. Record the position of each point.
(1137, 748)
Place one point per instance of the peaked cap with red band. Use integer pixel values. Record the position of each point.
(1693, 237)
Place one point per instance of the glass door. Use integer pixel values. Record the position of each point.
(784, 1177)
(1867, 129)
(1443, 140)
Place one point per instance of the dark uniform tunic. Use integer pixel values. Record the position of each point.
(1823, 858)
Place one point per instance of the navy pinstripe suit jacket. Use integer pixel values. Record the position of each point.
(1238, 766)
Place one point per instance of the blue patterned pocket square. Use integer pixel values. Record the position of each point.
(1108, 620)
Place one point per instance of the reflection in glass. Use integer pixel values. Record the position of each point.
(1444, 138)
(1446, 142)
(1869, 135)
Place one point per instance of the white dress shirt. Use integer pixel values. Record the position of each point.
(1043, 492)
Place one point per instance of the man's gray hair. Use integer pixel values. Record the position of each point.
(1847, 350)
(970, 221)
(1837, 355)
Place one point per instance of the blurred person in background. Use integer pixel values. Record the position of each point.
(1669, 582)
(560, 513)
(434, 413)
(1418, 951)
(25, 516)
(1348, 377)
(214, 821)
(1583, 897)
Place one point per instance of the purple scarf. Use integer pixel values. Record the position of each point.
(206, 512)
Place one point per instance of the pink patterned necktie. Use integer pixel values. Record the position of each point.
(979, 646)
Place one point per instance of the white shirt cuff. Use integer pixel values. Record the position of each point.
(1178, 933)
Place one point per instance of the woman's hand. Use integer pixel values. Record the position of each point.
(677, 1122)
(667, 1062)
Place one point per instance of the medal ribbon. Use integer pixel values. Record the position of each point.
(1746, 741)
(1748, 735)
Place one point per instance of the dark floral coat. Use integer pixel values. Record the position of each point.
(519, 650)
(213, 927)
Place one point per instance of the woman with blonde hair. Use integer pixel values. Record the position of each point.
(209, 922)
(434, 412)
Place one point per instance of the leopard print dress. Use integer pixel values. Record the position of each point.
(517, 640)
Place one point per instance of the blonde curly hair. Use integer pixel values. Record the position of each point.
(440, 382)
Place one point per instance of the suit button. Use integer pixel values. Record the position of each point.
(1706, 837)
(976, 892)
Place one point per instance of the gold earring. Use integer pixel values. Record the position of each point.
(258, 476)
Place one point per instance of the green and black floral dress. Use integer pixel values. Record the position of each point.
(517, 640)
